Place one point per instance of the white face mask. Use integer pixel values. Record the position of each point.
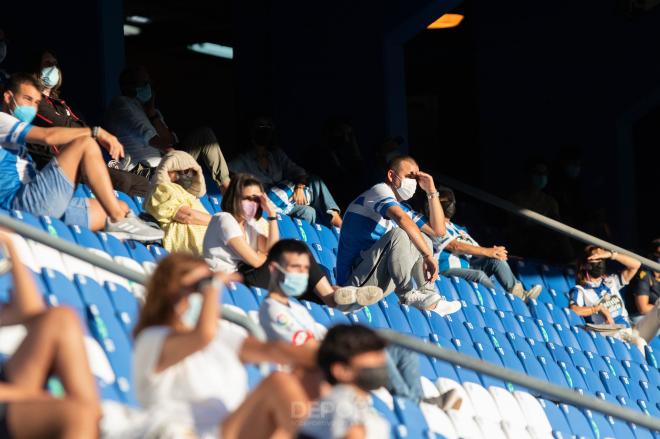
(191, 315)
(407, 188)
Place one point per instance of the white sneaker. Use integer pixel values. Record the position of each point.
(363, 296)
(421, 299)
(132, 227)
(446, 307)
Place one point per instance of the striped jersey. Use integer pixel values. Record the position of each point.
(447, 259)
(16, 165)
(364, 223)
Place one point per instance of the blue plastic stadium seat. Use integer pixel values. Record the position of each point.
(386, 413)
(416, 320)
(336, 317)
(612, 384)
(395, 317)
(457, 328)
(573, 377)
(57, 228)
(207, 204)
(60, 291)
(136, 208)
(126, 305)
(502, 303)
(621, 350)
(634, 371)
(139, 252)
(86, 238)
(573, 319)
(216, 202)
(577, 421)
(578, 357)
(485, 296)
(519, 344)
(529, 328)
(287, 228)
(602, 346)
(259, 294)
(558, 353)
(439, 325)
(357, 318)
(243, 297)
(81, 191)
(519, 307)
(510, 323)
(567, 337)
(599, 424)
(585, 339)
(529, 274)
(491, 319)
(444, 369)
(139, 201)
(317, 312)
(254, 375)
(158, 251)
(540, 311)
(591, 379)
(375, 316)
(464, 290)
(28, 219)
(539, 348)
(328, 239)
(549, 333)
(557, 315)
(426, 368)
(446, 288)
(557, 419)
(112, 245)
(412, 417)
(553, 371)
(474, 316)
(633, 389)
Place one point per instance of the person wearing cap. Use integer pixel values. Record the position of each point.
(292, 190)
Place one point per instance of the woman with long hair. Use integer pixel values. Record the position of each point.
(183, 354)
(234, 242)
(597, 297)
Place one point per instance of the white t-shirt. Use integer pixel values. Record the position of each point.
(291, 323)
(213, 381)
(223, 227)
(606, 292)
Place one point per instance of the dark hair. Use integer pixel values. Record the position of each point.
(287, 246)
(37, 67)
(396, 161)
(18, 79)
(342, 343)
(231, 201)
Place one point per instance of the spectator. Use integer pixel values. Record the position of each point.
(527, 238)
(53, 345)
(234, 242)
(292, 190)
(50, 191)
(289, 321)
(646, 289)
(174, 202)
(55, 112)
(353, 360)
(383, 240)
(462, 256)
(183, 355)
(597, 297)
(141, 127)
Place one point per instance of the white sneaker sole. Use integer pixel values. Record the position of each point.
(368, 295)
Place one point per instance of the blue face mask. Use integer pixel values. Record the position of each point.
(191, 316)
(293, 284)
(50, 76)
(539, 181)
(143, 94)
(24, 113)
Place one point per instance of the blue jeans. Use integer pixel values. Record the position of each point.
(403, 366)
(320, 206)
(50, 193)
(481, 268)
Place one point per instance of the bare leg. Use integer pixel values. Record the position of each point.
(97, 215)
(54, 342)
(85, 155)
(279, 404)
(52, 418)
(326, 292)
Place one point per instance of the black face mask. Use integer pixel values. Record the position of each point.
(595, 269)
(263, 136)
(449, 207)
(372, 378)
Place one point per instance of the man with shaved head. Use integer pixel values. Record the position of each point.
(384, 242)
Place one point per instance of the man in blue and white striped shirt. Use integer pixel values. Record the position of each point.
(383, 242)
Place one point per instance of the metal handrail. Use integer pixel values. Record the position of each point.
(543, 220)
(551, 390)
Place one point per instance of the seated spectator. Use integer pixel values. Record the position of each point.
(53, 111)
(646, 288)
(354, 361)
(597, 297)
(292, 190)
(462, 256)
(384, 242)
(234, 242)
(528, 238)
(183, 355)
(53, 344)
(173, 201)
(289, 321)
(50, 191)
(134, 118)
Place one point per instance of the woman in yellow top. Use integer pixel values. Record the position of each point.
(174, 202)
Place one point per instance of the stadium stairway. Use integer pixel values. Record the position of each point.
(542, 339)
